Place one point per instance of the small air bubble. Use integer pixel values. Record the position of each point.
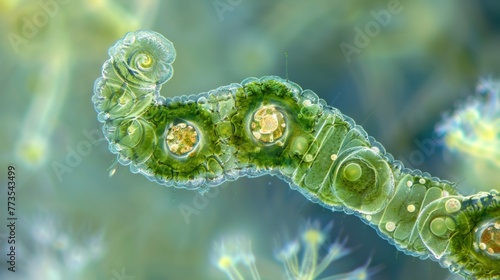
(390, 226)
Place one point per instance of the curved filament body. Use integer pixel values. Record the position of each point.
(272, 126)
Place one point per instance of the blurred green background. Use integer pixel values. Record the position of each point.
(76, 222)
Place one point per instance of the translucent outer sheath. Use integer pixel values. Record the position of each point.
(272, 126)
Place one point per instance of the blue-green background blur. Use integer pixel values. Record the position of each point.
(425, 60)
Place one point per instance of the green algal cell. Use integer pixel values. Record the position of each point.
(272, 126)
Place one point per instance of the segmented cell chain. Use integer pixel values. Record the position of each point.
(272, 126)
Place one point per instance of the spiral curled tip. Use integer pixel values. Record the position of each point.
(143, 58)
